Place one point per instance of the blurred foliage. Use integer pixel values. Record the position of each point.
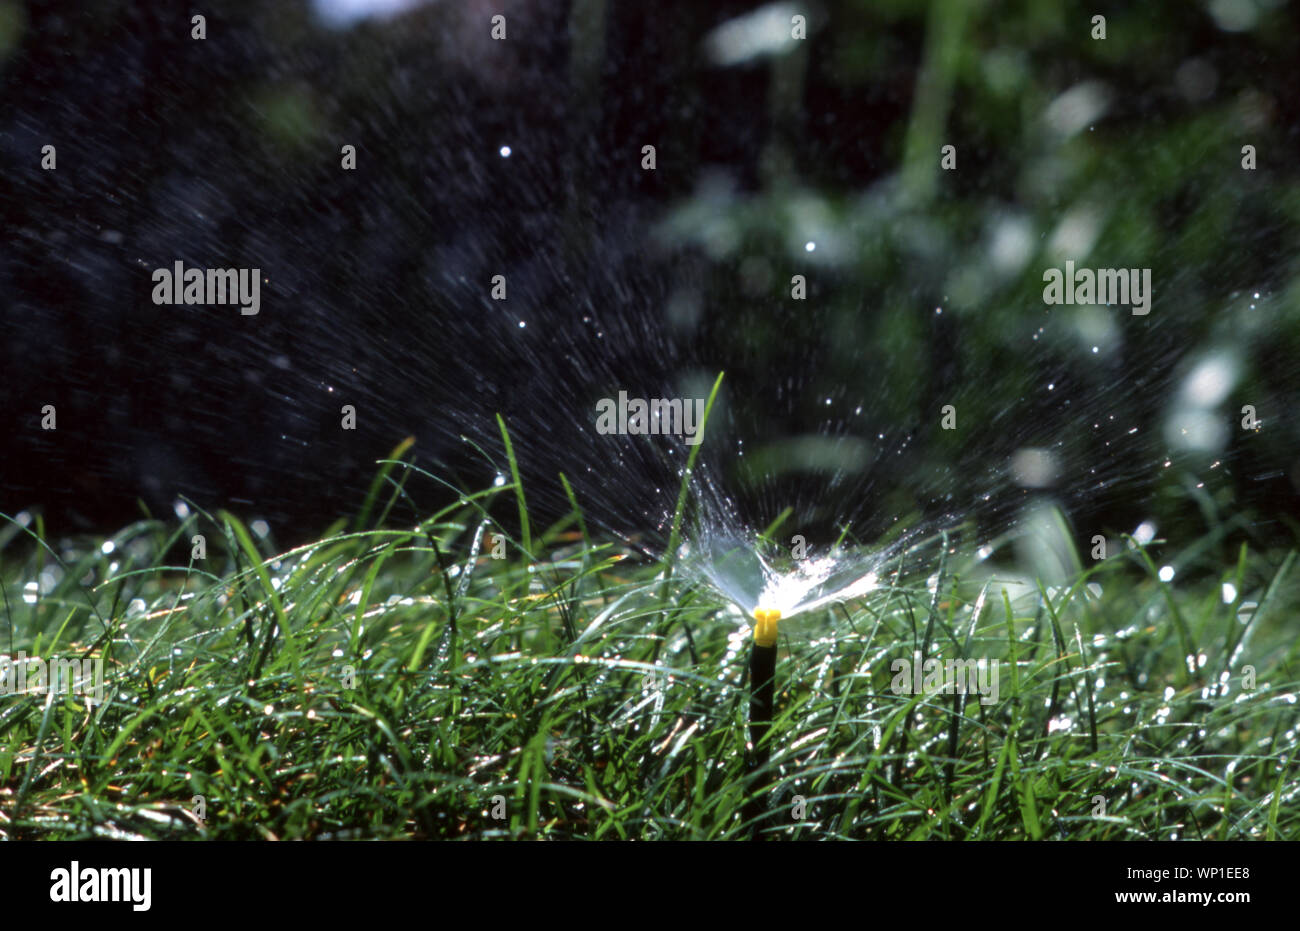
(1121, 152)
(924, 285)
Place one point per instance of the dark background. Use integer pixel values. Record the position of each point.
(226, 153)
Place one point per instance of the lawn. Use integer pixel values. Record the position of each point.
(433, 682)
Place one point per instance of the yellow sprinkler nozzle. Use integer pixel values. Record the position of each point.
(765, 626)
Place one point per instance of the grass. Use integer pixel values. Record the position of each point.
(384, 683)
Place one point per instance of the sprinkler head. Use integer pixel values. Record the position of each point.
(765, 626)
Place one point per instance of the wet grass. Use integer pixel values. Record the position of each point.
(409, 684)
